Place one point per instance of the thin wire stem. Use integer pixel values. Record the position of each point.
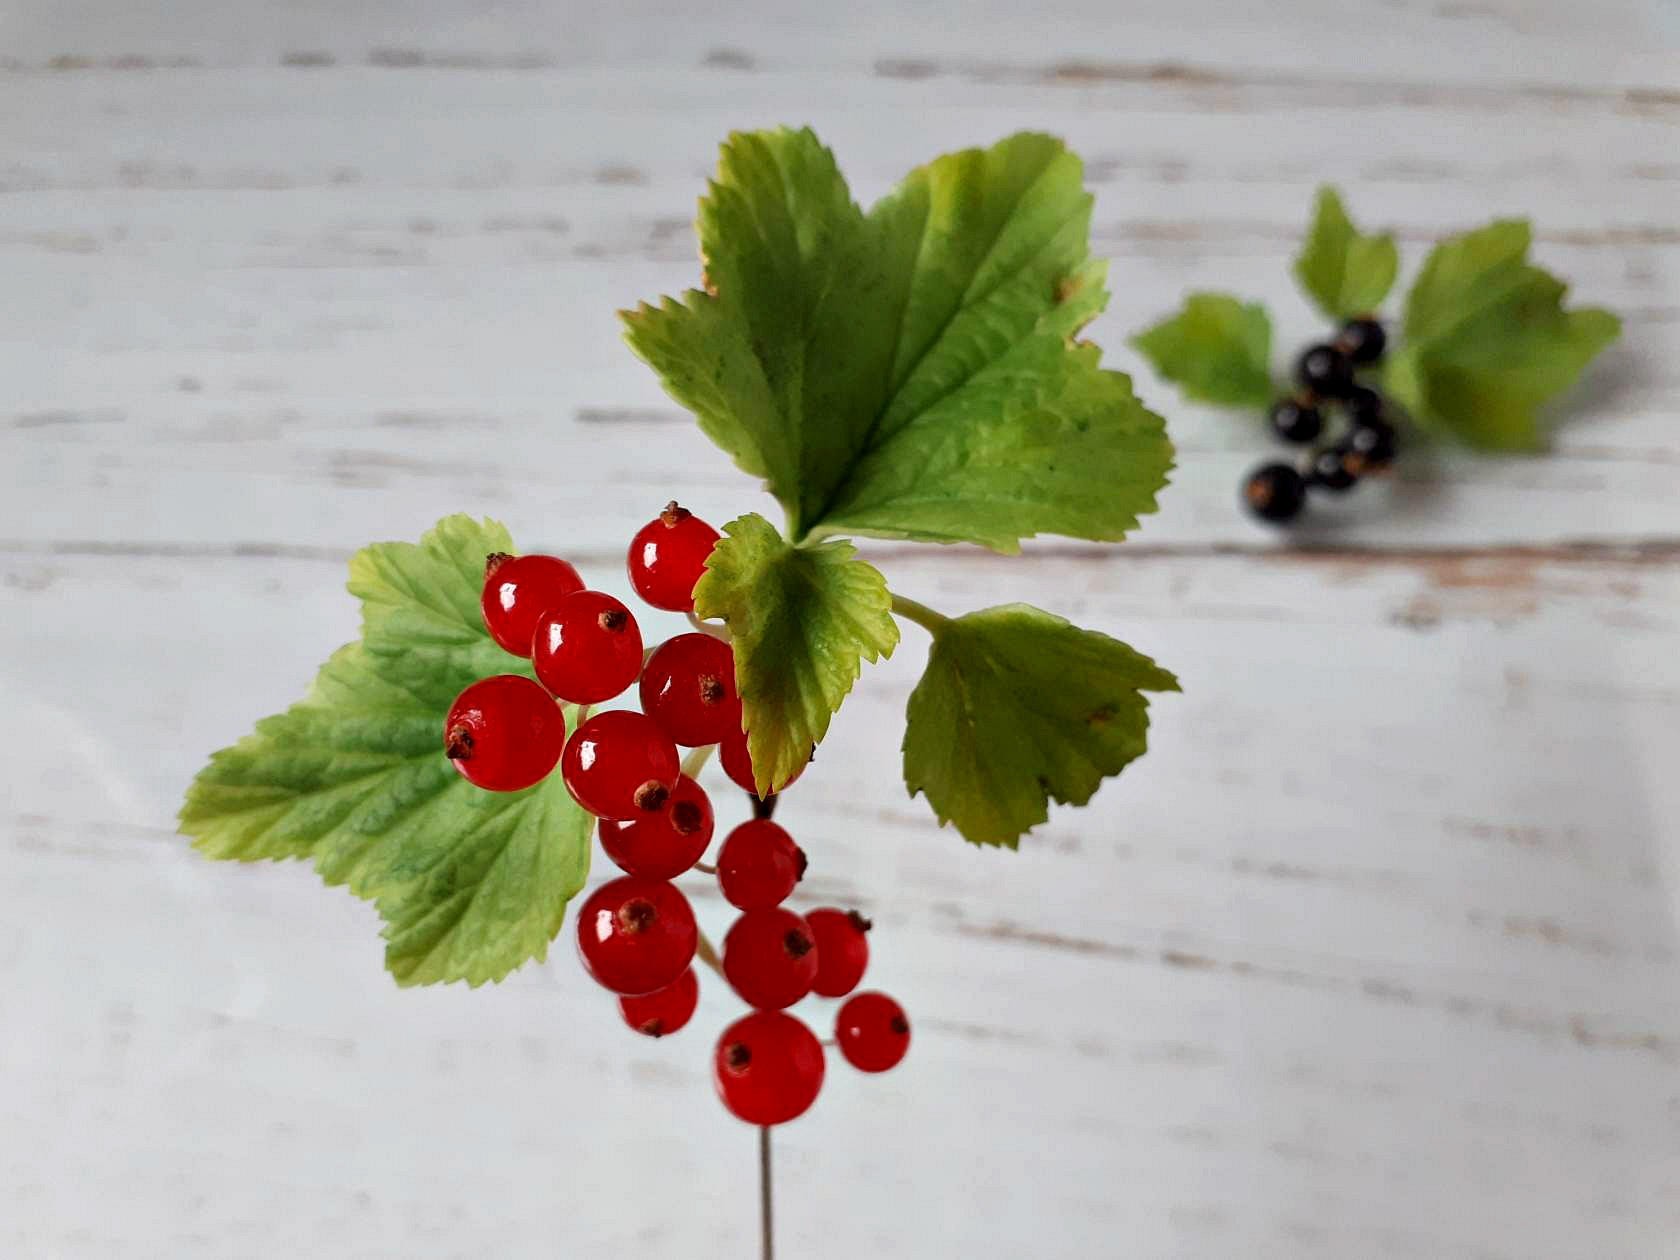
(765, 1224)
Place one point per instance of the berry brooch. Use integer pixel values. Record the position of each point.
(1484, 341)
(910, 372)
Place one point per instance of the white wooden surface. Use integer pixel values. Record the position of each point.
(1373, 956)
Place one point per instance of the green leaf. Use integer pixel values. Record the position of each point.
(1018, 707)
(910, 372)
(1217, 349)
(802, 619)
(471, 884)
(1487, 341)
(1344, 271)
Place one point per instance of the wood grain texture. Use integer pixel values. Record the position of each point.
(1374, 955)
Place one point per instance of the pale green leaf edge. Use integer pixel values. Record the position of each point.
(1162, 681)
(1347, 273)
(369, 577)
(777, 758)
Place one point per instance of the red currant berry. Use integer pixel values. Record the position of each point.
(688, 687)
(872, 1032)
(663, 845)
(737, 764)
(758, 865)
(518, 590)
(620, 765)
(587, 648)
(769, 1068)
(504, 733)
(667, 557)
(636, 935)
(770, 958)
(842, 950)
(663, 1011)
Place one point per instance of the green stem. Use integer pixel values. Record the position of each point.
(706, 627)
(921, 614)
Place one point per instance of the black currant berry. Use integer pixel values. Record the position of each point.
(1325, 371)
(1274, 492)
(1365, 406)
(1329, 471)
(1296, 421)
(1362, 340)
(1371, 448)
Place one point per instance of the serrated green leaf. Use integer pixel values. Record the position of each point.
(353, 778)
(802, 619)
(1344, 271)
(1216, 349)
(909, 372)
(1466, 275)
(1018, 707)
(1487, 341)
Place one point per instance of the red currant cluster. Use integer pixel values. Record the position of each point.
(637, 934)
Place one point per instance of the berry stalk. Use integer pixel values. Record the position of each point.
(921, 614)
(716, 629)
(707, 953)
(695, 759)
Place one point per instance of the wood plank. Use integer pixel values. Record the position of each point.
(388, 297)
(1375, 953)
(1383, 963)
(1499, 42)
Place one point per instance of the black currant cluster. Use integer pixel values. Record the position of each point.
(1327, 377)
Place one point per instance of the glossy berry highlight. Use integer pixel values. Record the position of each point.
(842, 950)
(1364, 406)
(758, 865)
(768, 1068)
(872, 1032)
(1371, 447)
(668, 556)
(1329, 470)
(520, 589)
(770, 958)
(737, 764)
(504, 733)
(1325, 371)
(1362, 340)
(665, 844)
(619, 765)
(1274, 492)
(1296, 421)
(688, 688)
(587, 648)
(664, 1011)
(636, 935)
